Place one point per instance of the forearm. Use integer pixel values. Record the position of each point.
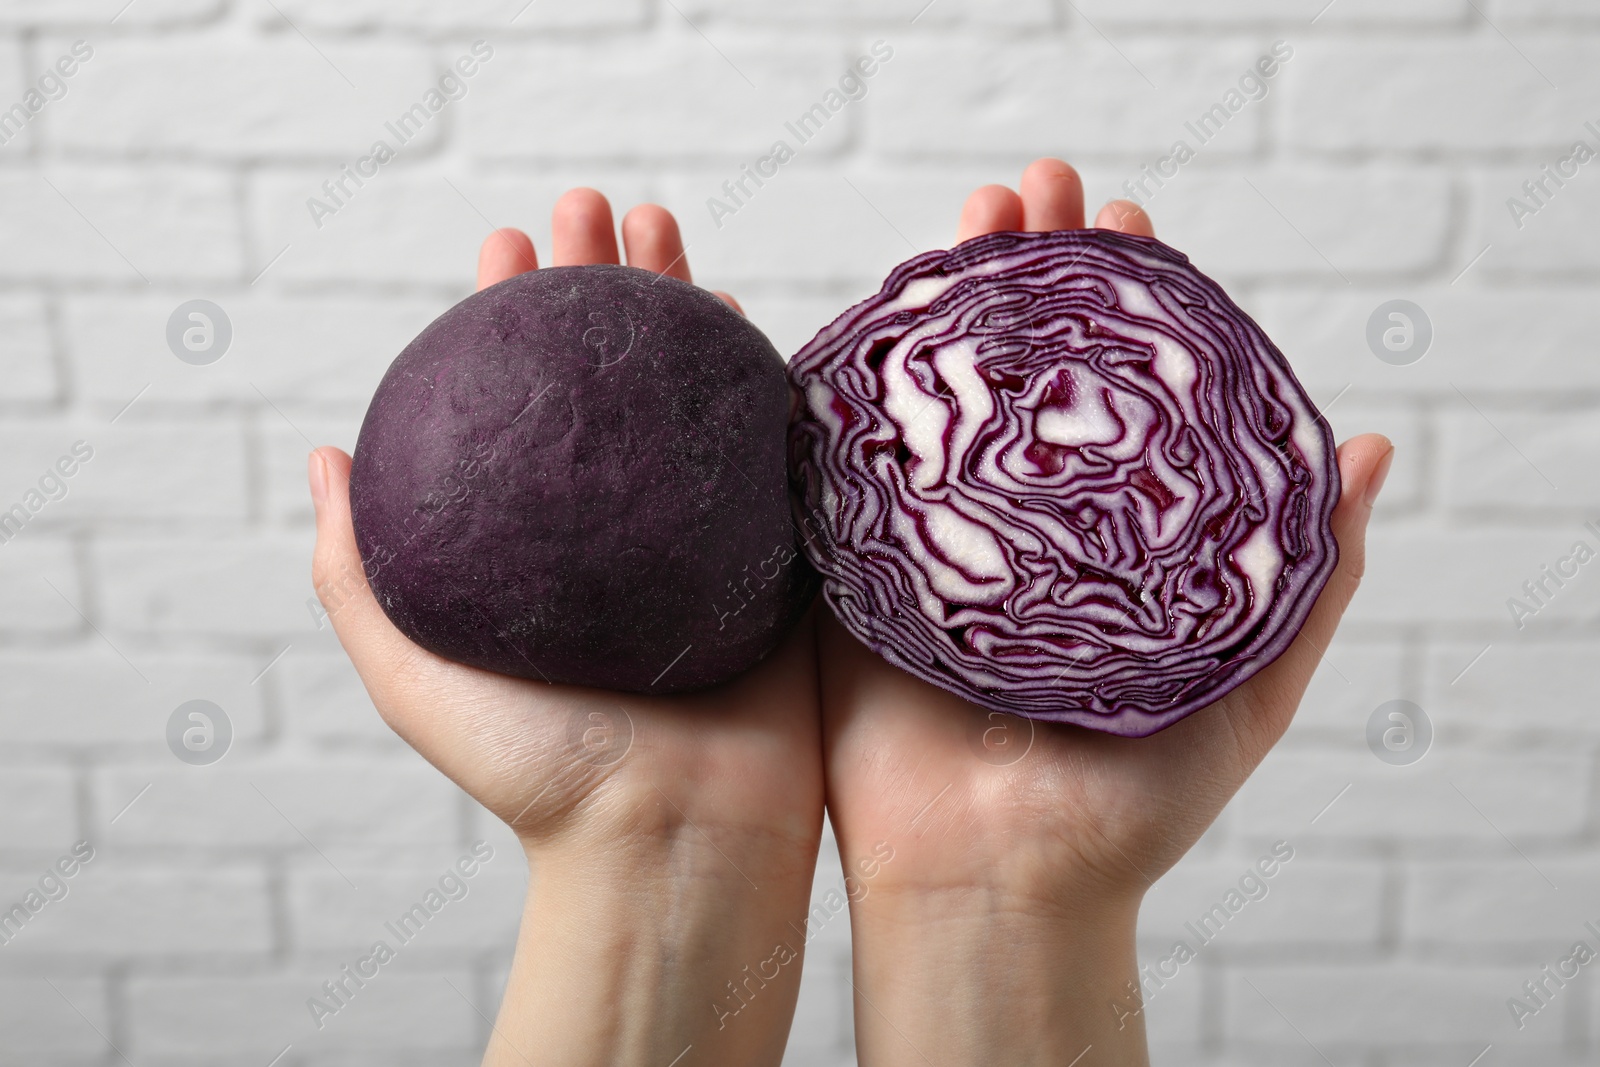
(962, 978)
(676, 951)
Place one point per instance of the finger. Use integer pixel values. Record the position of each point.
(991, 209)
(505, 254)
(1125, 216)
(650, 235)
(1052, 197)
(1267, 702)
(581, 230)
(378, 650)
(729, 300)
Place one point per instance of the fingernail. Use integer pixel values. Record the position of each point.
(1375, 484)
(317, 472)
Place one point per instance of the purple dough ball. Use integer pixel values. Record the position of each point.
(578, 475)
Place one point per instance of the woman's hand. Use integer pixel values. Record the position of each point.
(672, 838)
(1003, 930)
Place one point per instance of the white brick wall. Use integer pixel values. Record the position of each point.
(177, 166)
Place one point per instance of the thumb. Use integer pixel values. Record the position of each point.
(1363, 465)
(1268, 701)
(379, 651)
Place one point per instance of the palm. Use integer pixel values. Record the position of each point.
(546, 758)
(541, 756)
(975, 795)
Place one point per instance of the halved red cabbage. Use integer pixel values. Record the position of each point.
(1063, 475)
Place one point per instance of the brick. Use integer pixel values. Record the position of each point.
(326, 701)
(284, 457)
(93, 13)
(823, 1031)
(25, 873)
(40, 1021)
(479, 823)
(1500, 460)
(312, 350)
(37, 490)
(827, 919)
(1455, 1054)
(30, 474)
(153, 223)
(89, 697)
(1544, 11)
(273, 96)
(1398, 1005)
(1176, 1013)
(790, 320)
(1505, 339)
(1422, 574)
(1526, 796)
(234, 587)
(27, 364)
(1253, 14)
(1506, 903)
(30, 564)
(831, 226)
(1258, 1054)
(307, 806)
(16, 78)
(727, 106)
(40, 76)
(1533, 1056)
(992, 98)
(1518, 688)
(326, 915)
(844, 231)
(470, 1056)
(1297, 223)
(1307, 903)
(1351, 680)
(411, 228)
(172, 911)
(1469, 95)
(41, 809)
(889, 13)
(1550, 242)
(190, 470)
(240, 1020)
(489, 16)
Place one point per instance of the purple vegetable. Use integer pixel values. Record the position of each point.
(578, 475)
(1064, 476)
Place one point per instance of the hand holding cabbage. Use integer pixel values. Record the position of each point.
(700, 839)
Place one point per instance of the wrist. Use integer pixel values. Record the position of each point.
(980, 974)
(635, 946)
(1052, 885)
